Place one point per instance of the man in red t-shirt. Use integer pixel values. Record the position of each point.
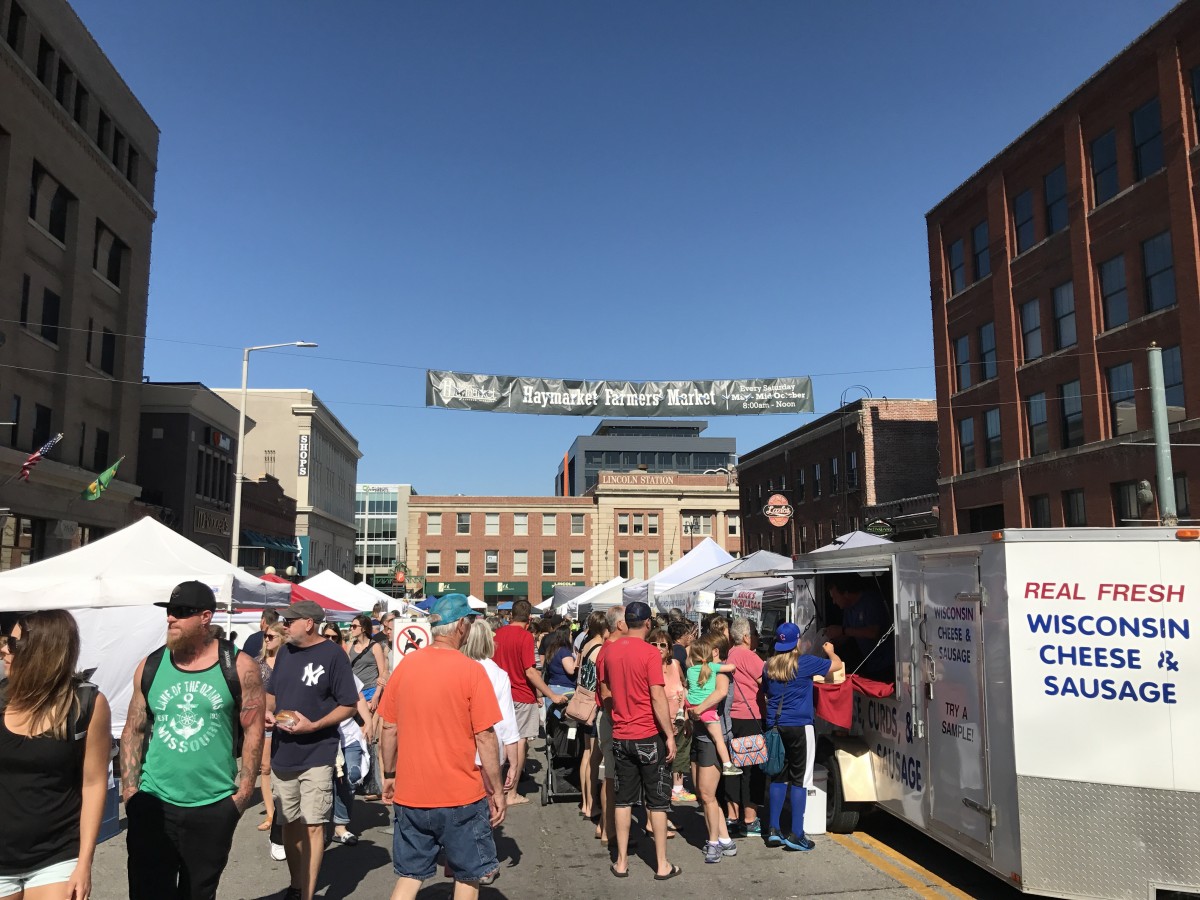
(514, 654)
(439, 711)
(630, 673)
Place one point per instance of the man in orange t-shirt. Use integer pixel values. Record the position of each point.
(439, 710)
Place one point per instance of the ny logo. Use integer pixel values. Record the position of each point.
(312, 676)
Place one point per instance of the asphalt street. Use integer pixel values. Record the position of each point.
(549, 852)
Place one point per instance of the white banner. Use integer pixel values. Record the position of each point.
(748, 604)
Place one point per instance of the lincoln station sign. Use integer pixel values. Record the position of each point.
(556, 397)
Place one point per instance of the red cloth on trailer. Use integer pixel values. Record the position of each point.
(835, 702)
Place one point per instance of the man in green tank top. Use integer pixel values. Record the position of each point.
(183, 782)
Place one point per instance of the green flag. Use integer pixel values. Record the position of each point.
(97, 487)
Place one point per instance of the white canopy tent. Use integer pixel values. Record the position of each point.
(335, 587)
(706, 555)
(852, 539)
(607, 594)
(475, 603)
(110, 585)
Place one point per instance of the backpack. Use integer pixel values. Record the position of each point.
(227, 659)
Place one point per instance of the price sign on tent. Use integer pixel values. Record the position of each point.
(748, 604)
(411, 637)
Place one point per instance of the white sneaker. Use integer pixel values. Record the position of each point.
(277, 853)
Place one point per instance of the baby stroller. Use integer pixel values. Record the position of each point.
(564, 741)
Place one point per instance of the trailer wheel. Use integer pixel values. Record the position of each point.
(840, 817)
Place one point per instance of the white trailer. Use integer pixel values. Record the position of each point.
(1046, 718)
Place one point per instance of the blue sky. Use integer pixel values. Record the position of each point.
(584, 189)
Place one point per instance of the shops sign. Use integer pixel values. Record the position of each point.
(778, 511)
(303, 459)
(558, 397)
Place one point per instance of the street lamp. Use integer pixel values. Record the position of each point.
(691, 525)
(241, 453)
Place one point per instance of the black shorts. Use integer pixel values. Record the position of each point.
(642, 770)
(800, 747)
(704, 753)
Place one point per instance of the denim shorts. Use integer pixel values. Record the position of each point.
(643, 773)
(55, 873)
(464, 832)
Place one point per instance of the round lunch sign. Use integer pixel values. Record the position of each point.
(778, 511)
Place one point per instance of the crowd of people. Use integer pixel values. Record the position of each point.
(315, 715)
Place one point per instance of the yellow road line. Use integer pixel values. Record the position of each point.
(902, 869)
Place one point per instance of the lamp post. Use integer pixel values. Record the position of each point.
(690, 526)
(236, 536)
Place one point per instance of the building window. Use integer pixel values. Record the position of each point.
(521, 523)
(833, 474)
(1031, 330)
(1064, 316)
(852, 469)
(462, 562)
(1071, 410)
(1147, 140)
(652, 566)
(733, 524)
(993, 450)
(520, 562)
(799, 485)
(1074, 508)
(108, 253)
(622, 523)
(433, 523)
(80, 107)
(15, 35)
(1126, 509)
(49, 203)
(1039, 511)
(958, 275)
(100, 460)
(108, 352)
(1036, 420)
(433, 562)
(24, 320)
(1160, 272)
(576, 562)
(1122, 410)
(548, 566)
(50, 308)
(1172, 364)
(639, 523)
(548, 524)
(1112, 289)
(1023, 220)
(463, 523)
(491, 562)
(103, 131)
(623, 564)
(1183, 505)
(576, 523)
(1104, 167)
(62, 87)
(652, 523)
(962, 363)
(1055, 184)
(816, 481)
(44, 57)
(981, 255)
(491, 523)
(966, 445)
(987, 351)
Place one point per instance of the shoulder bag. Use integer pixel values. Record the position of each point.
(582, 705)
(776, 754)
(750, 750)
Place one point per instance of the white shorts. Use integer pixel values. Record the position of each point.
(55, 873)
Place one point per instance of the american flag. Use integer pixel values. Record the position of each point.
(36, 456)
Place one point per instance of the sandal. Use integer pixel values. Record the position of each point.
(613, 868)
(675, 870)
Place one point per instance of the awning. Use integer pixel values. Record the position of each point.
(506, 588)
(438, 588)
(268, 542)
(549, 586)
(300, 592)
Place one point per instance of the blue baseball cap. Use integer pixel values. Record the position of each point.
(636, 613)
(787, 636)
(452, 607)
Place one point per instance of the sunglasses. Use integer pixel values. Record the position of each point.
(661, 644)
(183, 612)
(271, 637)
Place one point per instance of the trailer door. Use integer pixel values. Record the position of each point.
(952, 645)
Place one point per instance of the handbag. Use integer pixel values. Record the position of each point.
(750, 750)
(582, 705)
(776, 753)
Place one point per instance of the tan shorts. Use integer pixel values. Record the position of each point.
(305, 796)
(529, 722)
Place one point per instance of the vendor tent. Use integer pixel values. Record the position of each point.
(704, 556)
(852, 539)
(337, 588)
(475, 603)
(334, 611)
(110, 585)
(602, 595)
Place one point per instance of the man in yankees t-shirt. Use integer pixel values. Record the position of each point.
(313, 684)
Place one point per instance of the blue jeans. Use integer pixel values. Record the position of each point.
(343, 788)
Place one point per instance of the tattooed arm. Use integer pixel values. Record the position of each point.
(252, 716)
(137, 726)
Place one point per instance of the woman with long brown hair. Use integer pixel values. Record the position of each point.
(273, 638)
(589, 761)
(55, 745)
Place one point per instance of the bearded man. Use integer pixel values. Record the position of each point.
(190, 752)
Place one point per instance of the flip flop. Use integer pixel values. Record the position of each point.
(675, 870)
(613, 868)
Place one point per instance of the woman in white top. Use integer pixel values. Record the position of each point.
(480, 646)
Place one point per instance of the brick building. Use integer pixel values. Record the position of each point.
(840, 472)
(1052, 269)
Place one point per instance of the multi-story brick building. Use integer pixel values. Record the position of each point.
(841, 471)
(77, 167)
(1052, 269)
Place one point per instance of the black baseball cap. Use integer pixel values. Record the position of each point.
(194, 594)
(636, 613)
